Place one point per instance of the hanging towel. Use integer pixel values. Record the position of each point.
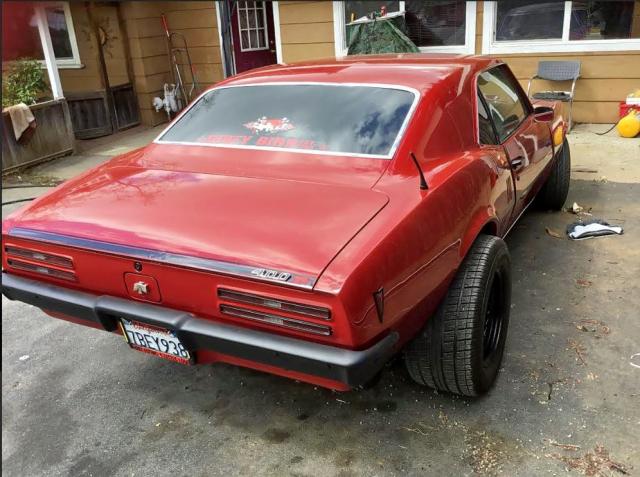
(592, 228)
(21, 119)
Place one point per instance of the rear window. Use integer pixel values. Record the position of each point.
(356, 120)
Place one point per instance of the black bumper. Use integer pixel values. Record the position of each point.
(346, 366)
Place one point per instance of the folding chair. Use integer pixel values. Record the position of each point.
(557, 71)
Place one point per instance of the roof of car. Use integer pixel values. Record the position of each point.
(415, 70)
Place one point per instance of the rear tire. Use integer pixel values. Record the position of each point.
(554, 192)
(461, 347)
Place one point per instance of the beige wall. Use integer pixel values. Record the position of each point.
(195, 20)
(87, 78)
(306, 29)
(606, 77)
(143, 28)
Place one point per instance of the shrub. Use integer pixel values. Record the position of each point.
(22, 82)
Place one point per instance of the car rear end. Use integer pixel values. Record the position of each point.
(214, 317)
(207, 245)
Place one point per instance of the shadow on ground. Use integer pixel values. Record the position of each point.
(82, 403)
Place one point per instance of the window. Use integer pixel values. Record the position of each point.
(340, 119)
(486, 135)
(436, 23)
(252, 25)
(501, 93)
(21, 38)
(355, 10)
(527, 26)
(447, 26)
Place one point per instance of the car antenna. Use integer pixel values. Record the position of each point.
(423, 181)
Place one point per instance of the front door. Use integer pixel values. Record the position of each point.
(526, 142)
(253, 35)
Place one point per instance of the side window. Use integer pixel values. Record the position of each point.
(485, 129)
(506, 108)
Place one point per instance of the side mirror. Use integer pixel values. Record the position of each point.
(543, 113)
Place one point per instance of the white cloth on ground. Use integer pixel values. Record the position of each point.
(593, 230)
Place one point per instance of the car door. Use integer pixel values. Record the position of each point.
(526, 141)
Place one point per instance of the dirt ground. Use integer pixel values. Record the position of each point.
(76, 401)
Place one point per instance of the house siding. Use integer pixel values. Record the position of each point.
(196, 21)
(307, 32)
(87, 78)
(306, 29)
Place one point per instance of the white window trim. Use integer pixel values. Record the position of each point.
(257, 29)
(277, 32)
(469, 46)
(492, 47)
(65, 63)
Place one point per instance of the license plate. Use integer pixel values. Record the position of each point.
(154, 340)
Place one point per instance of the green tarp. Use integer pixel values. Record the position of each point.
(381, 35)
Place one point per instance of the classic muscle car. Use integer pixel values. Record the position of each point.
(309, 220)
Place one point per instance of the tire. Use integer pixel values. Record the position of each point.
(460, 348)
(554, 192)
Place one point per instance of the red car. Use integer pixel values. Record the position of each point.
(311, 221)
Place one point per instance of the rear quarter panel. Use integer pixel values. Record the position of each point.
(413, 247)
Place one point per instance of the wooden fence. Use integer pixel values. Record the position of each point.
(53, 137)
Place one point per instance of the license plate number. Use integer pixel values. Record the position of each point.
(154, 340)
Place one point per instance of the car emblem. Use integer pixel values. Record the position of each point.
(141, 288)
(271, 274)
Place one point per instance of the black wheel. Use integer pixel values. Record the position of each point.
(554, 191)
(460, 348)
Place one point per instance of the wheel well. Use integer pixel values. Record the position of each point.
(490, 228)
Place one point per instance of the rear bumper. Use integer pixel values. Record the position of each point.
(349, 367)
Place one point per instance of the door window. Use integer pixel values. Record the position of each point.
(506, 105)
(485, 129)
(252, 24)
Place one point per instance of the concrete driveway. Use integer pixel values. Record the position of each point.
(76, 401)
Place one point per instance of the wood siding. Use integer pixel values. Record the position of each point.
(605, 78)
(196, 21)
(87, 78)
(306, 29)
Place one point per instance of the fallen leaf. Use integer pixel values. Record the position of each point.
(553, 233)
(584, 283)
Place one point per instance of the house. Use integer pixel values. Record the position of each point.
(122, 48)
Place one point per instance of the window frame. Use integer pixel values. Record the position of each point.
(339, 31)
(257, 29)
(62, 63)
(481, 99)
(389, 156)
(491, 47)
(519, 91)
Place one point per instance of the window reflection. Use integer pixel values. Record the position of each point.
(335, 118)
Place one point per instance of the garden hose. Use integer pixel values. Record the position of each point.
(18, 200)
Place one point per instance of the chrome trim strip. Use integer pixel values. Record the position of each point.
(276, 320)
(311, 311)
(388, 156)
(297, 280)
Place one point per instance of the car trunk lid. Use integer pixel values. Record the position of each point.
(256, 226)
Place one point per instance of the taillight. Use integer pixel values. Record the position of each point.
(44, 263)
(297, 322)
(276, 304)
(278, 320)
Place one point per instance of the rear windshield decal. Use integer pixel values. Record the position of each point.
(266, 125)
